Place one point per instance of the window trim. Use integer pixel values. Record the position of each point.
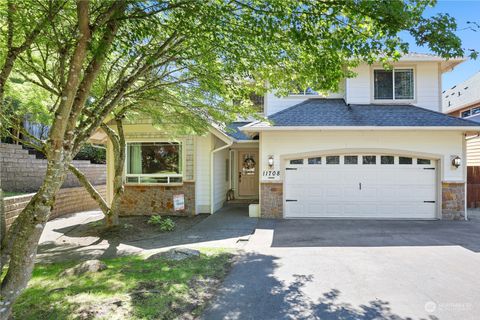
(393, 100)
(181, 142)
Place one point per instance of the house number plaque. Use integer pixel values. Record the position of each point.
(271, 174)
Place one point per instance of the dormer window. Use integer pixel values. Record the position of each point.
(305, 92)
(396, 84)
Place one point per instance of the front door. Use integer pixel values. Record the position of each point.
(248, 173)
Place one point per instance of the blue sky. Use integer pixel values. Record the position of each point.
(463, 11)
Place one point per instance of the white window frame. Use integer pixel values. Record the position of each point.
(162, 175)
(399, 101)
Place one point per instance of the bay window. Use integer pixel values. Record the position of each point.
(396, 84)
(154, 162)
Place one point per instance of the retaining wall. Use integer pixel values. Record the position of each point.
(68, 200)
(23, 172)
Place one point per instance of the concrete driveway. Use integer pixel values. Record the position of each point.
(344, 269)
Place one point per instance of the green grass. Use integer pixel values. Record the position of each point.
(131, 288)
(12, 194)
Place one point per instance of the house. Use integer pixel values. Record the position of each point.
(463, 101)
(379, 148)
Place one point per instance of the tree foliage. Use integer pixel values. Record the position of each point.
(181, 61)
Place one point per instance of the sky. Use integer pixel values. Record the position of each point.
(462, 11)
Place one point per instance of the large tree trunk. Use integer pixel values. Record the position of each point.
(25, 233)
(118, 141)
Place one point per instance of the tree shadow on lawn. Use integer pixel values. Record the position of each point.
(130, 288)
(251, 291)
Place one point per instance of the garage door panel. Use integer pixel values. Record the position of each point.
(386, 191)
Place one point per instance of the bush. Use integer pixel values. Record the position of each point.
(165, 224)
(95, 155)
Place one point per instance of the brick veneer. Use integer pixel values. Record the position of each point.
(453, 201)
(271, 200)
(67, 200)
(152, 199)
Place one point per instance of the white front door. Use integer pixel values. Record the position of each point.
(360, 186)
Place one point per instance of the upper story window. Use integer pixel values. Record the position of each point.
(466, 113)
(154, 162)
(305, 92)
(396, 84)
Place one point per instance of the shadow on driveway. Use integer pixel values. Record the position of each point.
(222, 229)
(243, 296)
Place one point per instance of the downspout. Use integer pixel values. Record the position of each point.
(229, 144)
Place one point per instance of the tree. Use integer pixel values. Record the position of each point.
(90, 55)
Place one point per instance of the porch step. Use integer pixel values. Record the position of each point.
(243, 201)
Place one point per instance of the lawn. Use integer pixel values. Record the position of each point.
(7, 194)
(131, 288)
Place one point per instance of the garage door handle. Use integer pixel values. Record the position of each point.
(360, 185)
(290, 200)
(428, 201)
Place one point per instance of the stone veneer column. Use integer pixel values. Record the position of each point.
(157, 199)
(453, 201)
(271, 200)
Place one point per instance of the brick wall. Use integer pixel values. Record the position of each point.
(152, 199)
(453, 201)
(68, 200)
(271, 200)
(22, 172)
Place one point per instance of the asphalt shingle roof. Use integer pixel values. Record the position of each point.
(232, 130)
(334, 112)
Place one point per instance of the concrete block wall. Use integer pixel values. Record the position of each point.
(23, 172)
(68, 200)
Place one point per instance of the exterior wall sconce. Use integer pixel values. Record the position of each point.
(270, 161)
(456, 162)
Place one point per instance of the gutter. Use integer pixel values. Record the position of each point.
(212, 153)
(360, 128)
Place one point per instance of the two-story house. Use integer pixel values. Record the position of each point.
(463, 101)
(379, 148)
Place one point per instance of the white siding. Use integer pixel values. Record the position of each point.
(220, 183)
(202, 176)
(358, 88)
(462, 95)
(436, 144)
(274, 104)
(428, 86)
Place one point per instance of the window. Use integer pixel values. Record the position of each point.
(304, 92)
(423, 161)
(387, 160)
(154, 162)
(316, 160)
(394, 84)
(405, 160)
(333, 159)
(466, 113)
(475, 110)
(296, 161)
(369, 160)
(350, 160)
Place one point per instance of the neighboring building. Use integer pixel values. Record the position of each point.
(379, 148)
(463, 101)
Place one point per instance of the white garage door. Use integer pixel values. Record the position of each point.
(360, 186)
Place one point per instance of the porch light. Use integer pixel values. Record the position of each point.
(270, 161)
(456, 162)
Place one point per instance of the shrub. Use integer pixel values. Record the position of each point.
(165, 224)
(94, 154)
